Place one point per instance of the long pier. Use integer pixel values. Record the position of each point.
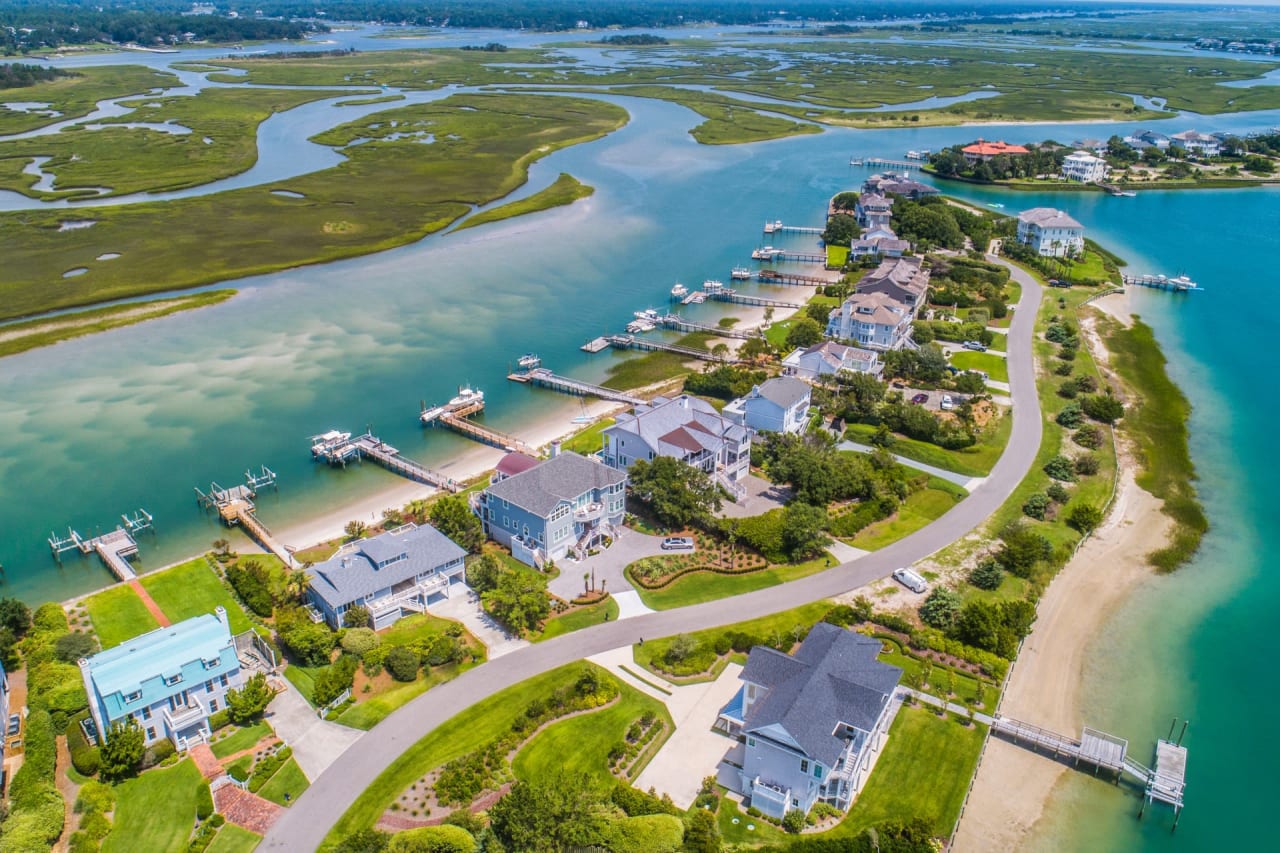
(235, 507)
(1165, 783)
(776, 227)
(338, 448)
(731, 295)
(881, 162)
(632, 342)
(483, 434)
(771, 255)
(1178, 284)
(778, 277)
(543, 377)
(675, 321)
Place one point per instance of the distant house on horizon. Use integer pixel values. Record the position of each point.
(982, 151)
(1050, 232)
(808, 723)
(1200, 144)
(170, 680)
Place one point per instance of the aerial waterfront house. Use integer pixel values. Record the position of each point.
(683, 428)
(1144, 139)
(1084, 167)
(890, 184)
(169, 680)
(874, 320)
(874, 210)
(1050, 232)
(830, 359)
(391, 575)
(904, 279)
(809, 722)
(780, 404)
(982, 151)
(566, 504)
(1194, 142)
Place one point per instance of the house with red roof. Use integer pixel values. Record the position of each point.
(982, 151)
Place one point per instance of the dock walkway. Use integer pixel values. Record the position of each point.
(632, 342)
(337, 448)
(545, 378)
(113, 548)
(484, 434)
(778, 277)
(675, 321)
(777, 227)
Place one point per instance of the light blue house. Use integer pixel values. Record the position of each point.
(780, 404)
(391, 575)
(169, 680)
(564, 505)
(809, 722)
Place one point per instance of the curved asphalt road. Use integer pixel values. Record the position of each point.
(305, 824)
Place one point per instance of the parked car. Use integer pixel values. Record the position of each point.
(677, 543)
(910, 580)
(947, 403)
(920, 399)
(976, 346)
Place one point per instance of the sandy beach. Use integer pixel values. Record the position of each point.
(1013, 785)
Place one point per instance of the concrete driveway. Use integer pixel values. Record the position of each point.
(463, 605)
(316, 743)
(761, 497)
(609, 565)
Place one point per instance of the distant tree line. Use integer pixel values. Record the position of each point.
(16, 75)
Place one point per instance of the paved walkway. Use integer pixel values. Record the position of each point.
(245, 810)
(305, 825)
(951, 476)
(316, 743)
(761, 497)
(206, 762)
(630, 604)
(962, 710)
(149, 603)
(845, 553)
(463, 605)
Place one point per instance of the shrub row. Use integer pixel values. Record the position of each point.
(35, 807)
(267, 767)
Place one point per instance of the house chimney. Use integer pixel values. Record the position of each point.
(220, 613)
(555, 449)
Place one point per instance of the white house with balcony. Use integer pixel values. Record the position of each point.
(391, 575)
(780, 404)
(1050, 232)
(830, 359)
(1084, 168)
(169, 680)
(809, 722)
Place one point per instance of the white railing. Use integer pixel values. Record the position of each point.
(590, 512)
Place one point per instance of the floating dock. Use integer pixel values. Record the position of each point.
(1105, 752)
(113, 548)
(776, 227)
(544, 378)
(236, 509)
(1177, 284)
(632, 342)
(595, 345)
(338, 448)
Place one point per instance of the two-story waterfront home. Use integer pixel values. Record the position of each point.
(982, 151)
(809, 722)
(683, 428)
(830, 359)
(169, 680)
(564, 505)
(391, 575)
(780, 404)
(1050, 232)
(1144, 139)
(1195, 142)
(903, 279)
(872, 320)
(891, 184)
(874, 210)
(1084, 167)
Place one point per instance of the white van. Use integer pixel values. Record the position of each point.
(910, 580)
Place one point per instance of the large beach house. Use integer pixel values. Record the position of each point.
(1084, 167)
(391, 575)
(829, 359)
(780, 404)
(684, 428)
(809, 722)
(564, 505)
(169, 680)
(1050, 232)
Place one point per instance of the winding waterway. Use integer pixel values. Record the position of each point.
(136, 417)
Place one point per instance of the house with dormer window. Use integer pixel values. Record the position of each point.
(809, 722)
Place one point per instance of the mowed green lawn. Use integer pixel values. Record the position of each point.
(589, 440)
(118, 614)
(923, 772)
(993, 365)
(974, 461)
(697, 587)
(368, 712)
(240, 740)
(289, 779)
(155, 811)
(582, 617)
(916, 511)
(581, 744)
(192, 589)
(464, 733)
(233, 839)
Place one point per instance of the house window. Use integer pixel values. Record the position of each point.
(223, 680)
(173, 679)
(804, 765)
(213, 706)
(134, 696)
(151, 733)
(146, 713)
(208, 686)
(751, 741)
(795, 804)
(817, 771)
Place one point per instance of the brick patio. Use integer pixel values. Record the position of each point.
(248, 811)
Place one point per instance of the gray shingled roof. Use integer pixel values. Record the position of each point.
(1048, 217)
(655, 422)
(352, 573)
(833, 678)
(784, 390)
(561, 478)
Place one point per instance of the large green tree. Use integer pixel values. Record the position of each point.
(519, 600)
(548, 816)
(250, 701)
(805, 332)
(453, 517)
(677, 493)
(121, 752)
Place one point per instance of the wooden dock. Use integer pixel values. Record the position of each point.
(778, 277)
(595, 345)
(544, 378)
(770, 255)
(236, 508)
(776, 227)
(483, 434)
(632, 342)
(1177, 284)
(731, 295)
(113, 548)
(338, 448)
(675, 321)
(1102, 751)
(882, 163)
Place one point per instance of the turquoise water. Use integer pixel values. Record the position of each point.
(137, 417)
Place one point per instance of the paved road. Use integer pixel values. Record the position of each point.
(307, 822)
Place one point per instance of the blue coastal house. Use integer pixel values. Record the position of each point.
(567, 504)
(780, 404)
(391, 575)
(169, 680)
(808, 722)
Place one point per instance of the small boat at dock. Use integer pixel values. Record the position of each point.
(741, 274)
(641, 325)
(466, 399)
(679, 291)
(529, 360)
(712, 286)
(647, 314)
(1178, 283)
(765, 253)
(918, 155)
(775, 225)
